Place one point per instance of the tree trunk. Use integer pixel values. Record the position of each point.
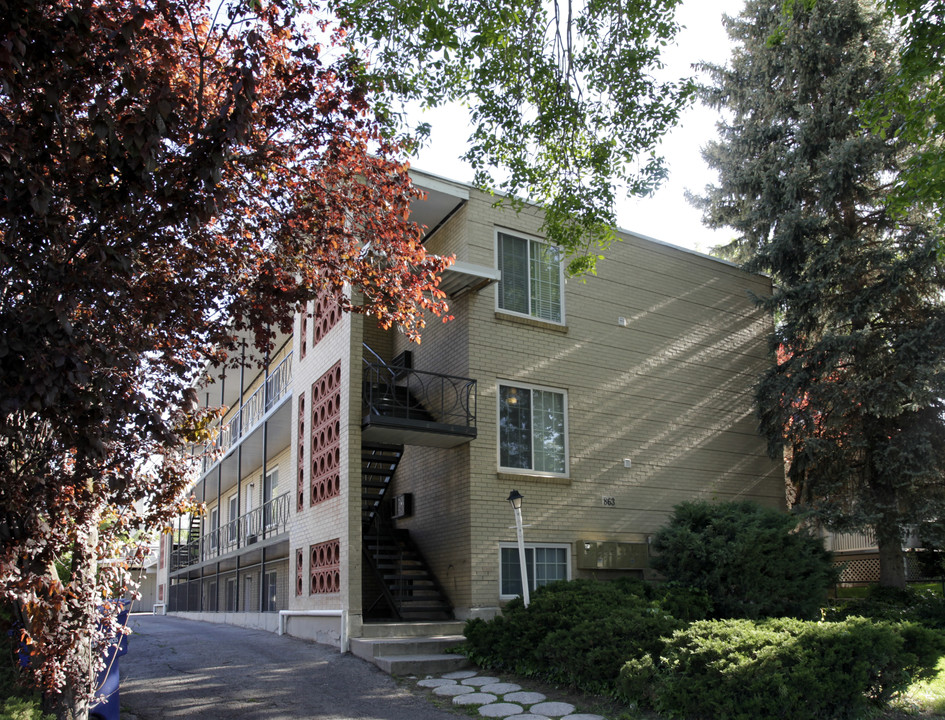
(73, 703)
(892, 566)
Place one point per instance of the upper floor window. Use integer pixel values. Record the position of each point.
(533, 430)
(532, 281)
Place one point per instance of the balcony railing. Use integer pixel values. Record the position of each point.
(265, 397)
(267, 521)
(865, 541)
(416, 395)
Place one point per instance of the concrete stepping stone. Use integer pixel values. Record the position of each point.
(580, 716)
(480, 681)
(435, 682)
(501, 688)
(552, 709)
(528, 716)
(453, 690)
(460, 675)
(475, 698)
(525, 697)
(500, 710)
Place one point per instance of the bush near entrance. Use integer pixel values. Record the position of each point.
(652, 646)
(752, 561)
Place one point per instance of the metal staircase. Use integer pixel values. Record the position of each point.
(404, 587)
(408, 590)
(378, 464)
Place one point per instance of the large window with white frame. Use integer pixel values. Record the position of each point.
(533, 429)
(544, 563)
(532, 281)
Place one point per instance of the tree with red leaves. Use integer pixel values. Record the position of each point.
(167, 180)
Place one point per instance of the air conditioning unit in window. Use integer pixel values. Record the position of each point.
(403, 505)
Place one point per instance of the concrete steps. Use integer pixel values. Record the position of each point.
(415, 651)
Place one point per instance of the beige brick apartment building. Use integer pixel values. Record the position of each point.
(366, 478)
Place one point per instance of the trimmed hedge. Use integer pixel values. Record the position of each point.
(752, 561)
(581, 632)
(782, 668)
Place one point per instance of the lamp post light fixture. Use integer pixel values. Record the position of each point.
(515, 500)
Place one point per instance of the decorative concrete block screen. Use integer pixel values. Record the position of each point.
(303, 345)
(325, 560)
(300, 455)
(326, 436)
(299, 571)
(324, 317)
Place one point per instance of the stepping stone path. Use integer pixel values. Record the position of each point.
(494, 698)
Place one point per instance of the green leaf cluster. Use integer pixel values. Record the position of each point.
(913, 106)
(750, 560)
(782, 668)
(563, 102)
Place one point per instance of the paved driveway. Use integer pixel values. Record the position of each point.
(187, 669)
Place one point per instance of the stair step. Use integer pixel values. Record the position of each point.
(399, 665)
(414, 579)
(424, 610)
(401, 630)
(388, 447)
(371, 647)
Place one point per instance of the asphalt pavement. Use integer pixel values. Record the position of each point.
(178, 668)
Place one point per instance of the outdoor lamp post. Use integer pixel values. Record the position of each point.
(515, 500)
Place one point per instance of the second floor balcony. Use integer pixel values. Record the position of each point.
(414, 407)
(274, 386)
(214, 540)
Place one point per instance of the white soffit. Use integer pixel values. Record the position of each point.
(461, 277)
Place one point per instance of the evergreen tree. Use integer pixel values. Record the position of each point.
(854, 395)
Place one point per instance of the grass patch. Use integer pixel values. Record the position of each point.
(927, 696)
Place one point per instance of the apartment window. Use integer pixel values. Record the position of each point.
(211, 604)
(270, 591)
(233, 525)
(231, 605)
(533, 430)
(543, 563)
(214, 539)
(270, 485)
(532, 278)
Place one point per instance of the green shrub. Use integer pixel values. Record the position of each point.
(581, 632)
(782, 668)
(752, 561)
(926, 607)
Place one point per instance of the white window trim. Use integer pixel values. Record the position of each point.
(498, 445)
(561, 284)
(514, 546)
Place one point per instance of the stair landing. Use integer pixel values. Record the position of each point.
(411, 648)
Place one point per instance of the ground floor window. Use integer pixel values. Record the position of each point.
(231, 594)
(270, 591)
(211, 604)
(544, 563)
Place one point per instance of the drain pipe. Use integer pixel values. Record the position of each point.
(285, 614)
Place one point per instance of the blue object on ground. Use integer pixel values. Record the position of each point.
(107, 708)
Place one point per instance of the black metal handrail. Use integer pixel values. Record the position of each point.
(406, 393)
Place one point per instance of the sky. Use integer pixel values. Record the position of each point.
(666, 215)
